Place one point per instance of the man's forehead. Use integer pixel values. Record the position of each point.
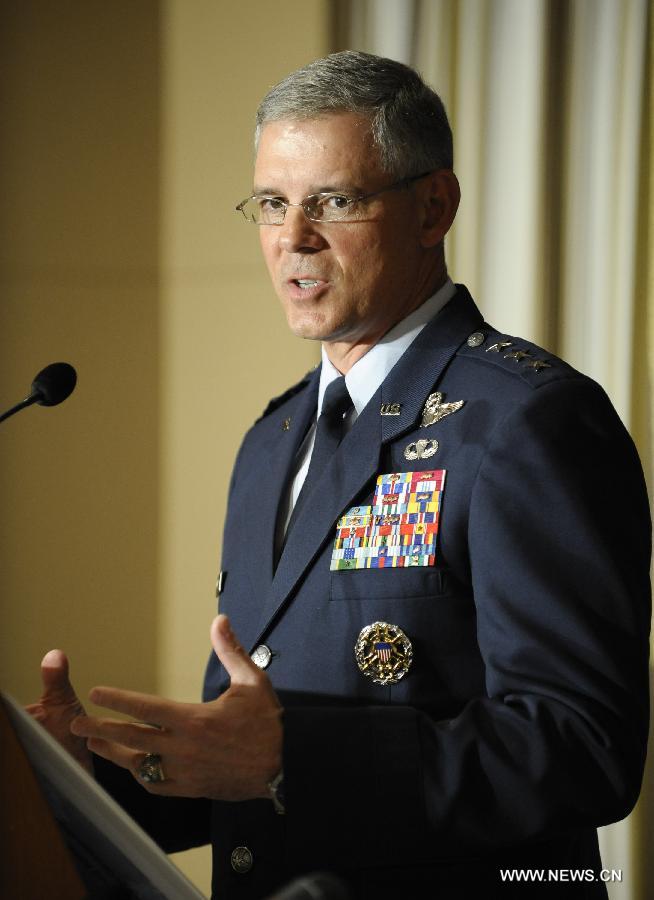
(334, 150)
(328, 124)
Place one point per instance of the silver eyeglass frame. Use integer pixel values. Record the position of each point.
(309, 202)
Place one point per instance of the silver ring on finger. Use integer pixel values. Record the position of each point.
(150, 769)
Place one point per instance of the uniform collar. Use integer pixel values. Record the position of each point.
(367, 374)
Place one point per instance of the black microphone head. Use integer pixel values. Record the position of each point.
(53, 384)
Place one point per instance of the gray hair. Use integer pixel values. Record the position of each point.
(408, 120)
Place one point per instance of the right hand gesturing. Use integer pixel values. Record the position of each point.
(59, 705)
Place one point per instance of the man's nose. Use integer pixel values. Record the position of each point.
(298, 234)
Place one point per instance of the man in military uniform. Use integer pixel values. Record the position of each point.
(437, 666)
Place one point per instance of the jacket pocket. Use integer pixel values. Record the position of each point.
(388, 584)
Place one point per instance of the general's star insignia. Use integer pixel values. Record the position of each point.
(518, 355)
(435, 409)
(499, 346)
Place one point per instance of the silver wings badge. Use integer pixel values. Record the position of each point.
(435, 409)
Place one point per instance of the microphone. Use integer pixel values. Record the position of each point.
(317, 886)
(51, 386)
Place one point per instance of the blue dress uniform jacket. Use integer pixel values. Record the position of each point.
(522, 723)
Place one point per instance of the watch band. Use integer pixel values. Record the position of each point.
(276, 789)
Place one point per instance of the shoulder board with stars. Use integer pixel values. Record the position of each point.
(515, 355)
(276, 402)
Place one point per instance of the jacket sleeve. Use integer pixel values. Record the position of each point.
(559, 549)
(175, 823)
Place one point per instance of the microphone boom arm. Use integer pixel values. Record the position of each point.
(33, 398)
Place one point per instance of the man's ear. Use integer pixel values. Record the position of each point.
(439, 195)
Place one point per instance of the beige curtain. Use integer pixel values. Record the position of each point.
(550, 103)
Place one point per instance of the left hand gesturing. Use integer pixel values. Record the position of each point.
(228, 749)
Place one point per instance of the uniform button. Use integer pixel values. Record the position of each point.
(476, 339)
(241, 860)
(262, 656)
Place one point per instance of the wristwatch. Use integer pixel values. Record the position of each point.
(276, 788)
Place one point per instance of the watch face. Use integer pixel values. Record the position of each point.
(279, 789)
(276, 788)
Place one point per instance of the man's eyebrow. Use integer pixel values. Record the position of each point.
(349, 189)
(266, 192)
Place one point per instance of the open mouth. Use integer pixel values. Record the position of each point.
(304, 287)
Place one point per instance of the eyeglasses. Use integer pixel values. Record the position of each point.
(328, 206)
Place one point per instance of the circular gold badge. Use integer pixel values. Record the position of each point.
(383, 652)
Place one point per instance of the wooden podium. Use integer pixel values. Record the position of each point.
(62, 836)
(34, 860)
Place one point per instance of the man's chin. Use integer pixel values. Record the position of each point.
(316, 326)
(308, 329)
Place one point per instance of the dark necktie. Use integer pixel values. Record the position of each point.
(330, 431)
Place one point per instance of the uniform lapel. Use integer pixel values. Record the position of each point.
(415, 376)
(276, 461)
(353, 464)
(357, 459)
